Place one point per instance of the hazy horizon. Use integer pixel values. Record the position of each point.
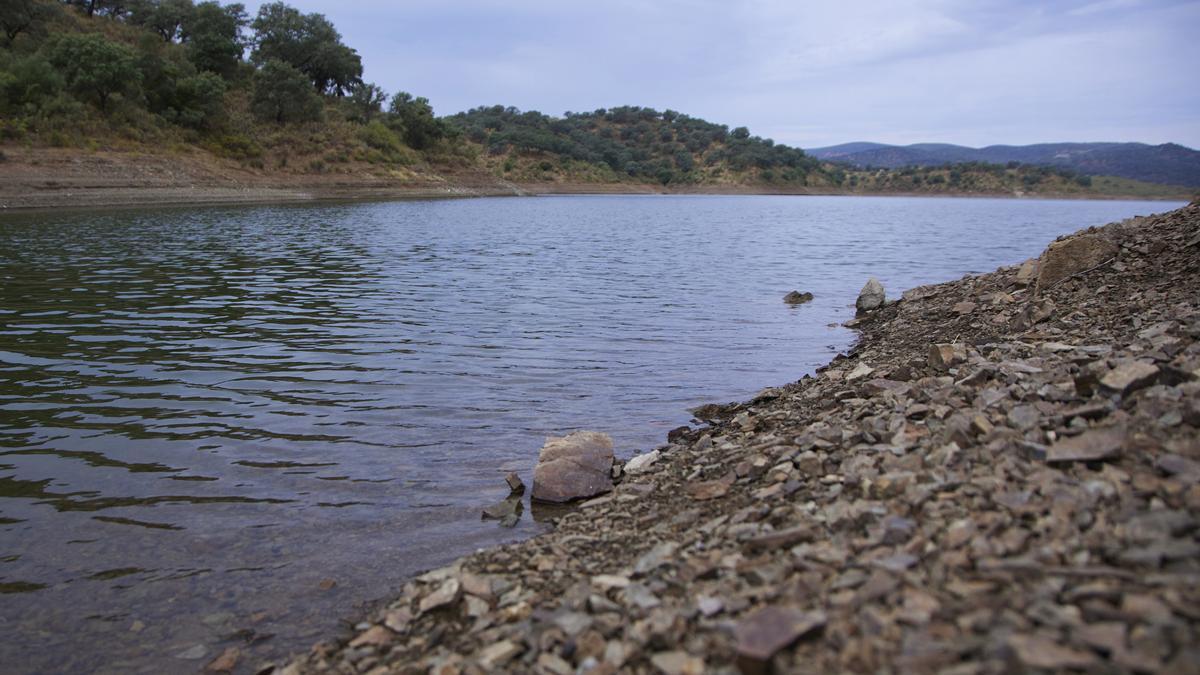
(806, 74)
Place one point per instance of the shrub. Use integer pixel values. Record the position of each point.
(377, 135)
(284, 94)
(94, 67)
(234, 146)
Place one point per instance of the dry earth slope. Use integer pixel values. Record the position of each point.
(1002, 476)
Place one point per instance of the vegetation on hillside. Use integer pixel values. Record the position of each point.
(276, 87)
(1167, 164)
(642, 145)
(636, 143)
(281, 92)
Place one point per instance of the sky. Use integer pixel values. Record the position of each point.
(808, 73)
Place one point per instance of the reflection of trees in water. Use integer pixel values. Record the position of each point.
(107, 310)
(124, 331)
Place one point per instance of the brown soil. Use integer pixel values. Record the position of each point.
(58, 178)
(32, 178)
(996, 479)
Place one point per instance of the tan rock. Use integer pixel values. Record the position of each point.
(763, 633)
(1130, 376)
(494, 656)
(946, 356)
(1027, 273)
(1090, 446)
(445, 595)
(1035, 651)
(374, 636)
(575, 466)
(1068, 257)
(677, 663)
(226, 662)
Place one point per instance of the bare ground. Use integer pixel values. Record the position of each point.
(50, 178)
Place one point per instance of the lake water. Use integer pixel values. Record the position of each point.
(235, 426)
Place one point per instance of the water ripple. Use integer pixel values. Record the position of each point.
(207, 415)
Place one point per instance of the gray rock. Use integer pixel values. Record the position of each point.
(797, 298)
(642, 463)
(870, 297)
(575, 466)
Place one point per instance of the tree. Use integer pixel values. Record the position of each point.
(365, 102)
(213, 36)
(114, 8)
(175, 91)
(414, 119)
(283, 94)
(28, 81)
(22, 16)
(740, 133)
(165, 17)
(95, 67)
(307, 42)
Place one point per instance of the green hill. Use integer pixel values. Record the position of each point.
(278, 97)
(1167, 164)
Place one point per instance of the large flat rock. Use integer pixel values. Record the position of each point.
(575, 466)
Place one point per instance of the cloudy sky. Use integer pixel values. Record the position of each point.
(805, 72)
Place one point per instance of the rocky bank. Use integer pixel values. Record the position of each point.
(1003, 475)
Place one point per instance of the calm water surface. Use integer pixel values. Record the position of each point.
(207, 417)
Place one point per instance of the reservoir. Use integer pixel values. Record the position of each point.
(240, 426)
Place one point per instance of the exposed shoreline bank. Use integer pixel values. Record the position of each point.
(1003, 473)
(61, 179)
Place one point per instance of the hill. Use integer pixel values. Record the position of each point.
(634, 145)
(127, 98)
(1166, 164)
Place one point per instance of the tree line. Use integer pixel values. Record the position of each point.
(642, 143)
(182, 63)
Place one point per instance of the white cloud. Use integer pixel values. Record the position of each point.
(808, 73)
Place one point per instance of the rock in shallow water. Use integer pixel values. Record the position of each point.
(575, 466)
(797, 298)
(870, 297)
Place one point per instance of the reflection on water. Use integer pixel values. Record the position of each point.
(231, 426)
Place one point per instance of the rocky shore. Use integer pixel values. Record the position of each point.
(1003, 475)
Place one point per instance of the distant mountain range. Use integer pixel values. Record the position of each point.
(1167, 164)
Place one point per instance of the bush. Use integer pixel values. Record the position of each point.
(94, 67)
(28, 83)
(283, 94)
(377, 135)
(234, 146)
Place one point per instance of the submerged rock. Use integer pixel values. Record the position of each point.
(515, 485)
(575, 466)
(797, 298)
(870, 297)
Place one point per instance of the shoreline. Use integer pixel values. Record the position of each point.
(56, 179)
(1003, 473)
(181, 197)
